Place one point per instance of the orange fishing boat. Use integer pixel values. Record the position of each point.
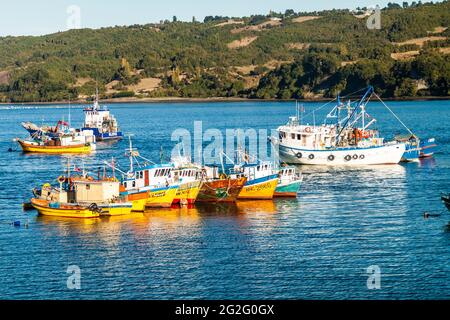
(219, 188)
(222, 190)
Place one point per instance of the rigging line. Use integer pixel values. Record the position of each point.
(343, 97)
(396, 117)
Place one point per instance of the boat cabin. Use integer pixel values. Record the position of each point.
(253, 171)
(150, 177)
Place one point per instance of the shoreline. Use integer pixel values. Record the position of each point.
(206, 100)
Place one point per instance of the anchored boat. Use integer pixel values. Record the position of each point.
(189, 178)
(289, 182)
(81, 197)
(147, 185)
(347, 141)
(262, 180)
(74, 142)
(219, 187)
(101, 122)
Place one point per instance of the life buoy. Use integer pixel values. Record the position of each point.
(308, 129)
(330, 157)
(299, 155)
(355, 156)
(348, 157)
(61, 179)
(366, 135)
(311, 156)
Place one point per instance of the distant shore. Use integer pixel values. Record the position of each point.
(205, 100)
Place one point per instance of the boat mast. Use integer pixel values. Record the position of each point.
(131, 154)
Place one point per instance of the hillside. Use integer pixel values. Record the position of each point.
(278, 56)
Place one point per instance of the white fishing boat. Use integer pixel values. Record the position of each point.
(99, 119)
(348, 141)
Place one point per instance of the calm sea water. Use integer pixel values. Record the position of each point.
(318, 246)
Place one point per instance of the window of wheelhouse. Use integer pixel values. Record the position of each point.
(292, 135)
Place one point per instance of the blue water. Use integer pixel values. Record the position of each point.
(316, 247)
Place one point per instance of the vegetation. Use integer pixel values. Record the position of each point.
(290, 58)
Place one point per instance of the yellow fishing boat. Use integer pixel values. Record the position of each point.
(152, 182)
(35, 147)
(262, 180)
(161, 197)
(116, 209)
(187, 192)
(258, 189)
(137, 198)
(47, 208)
(81, 197)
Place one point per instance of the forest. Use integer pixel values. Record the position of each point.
(281, 55)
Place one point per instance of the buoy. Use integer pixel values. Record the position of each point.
(16, 223)
(10, 150)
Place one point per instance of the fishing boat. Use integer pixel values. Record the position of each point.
(289, 182)
(446, 200)
(72, 142)
(427, 147)
(188, 176)
(346, 141)
(417, 148)
(81, 197)
(412, 147)
(262, 179)
(99, 119)
(146, 184)
(219, 187)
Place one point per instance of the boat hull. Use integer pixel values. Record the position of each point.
(99, 136)
(138, 200)
(427, 148)
(161, 197)
(290, 189)
(223, 190)
(30, 148)
(116, 209)
(259, 189)
(387, 154)
(43, 207)
(187, 192)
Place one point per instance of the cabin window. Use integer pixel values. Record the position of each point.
(88, 187)
(125, 185)
(299, 137)
(134, 184)
(293, 135)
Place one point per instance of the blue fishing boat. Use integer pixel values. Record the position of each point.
(104, 125)
(417, 148)
(427, 147)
